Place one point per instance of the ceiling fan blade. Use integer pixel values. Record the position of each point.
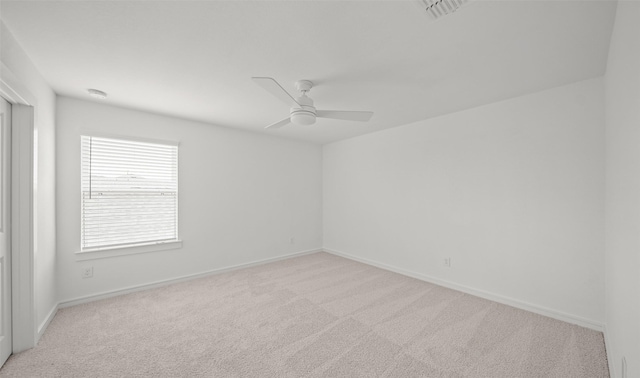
(279, 124)
(272, 86)
(346, 115)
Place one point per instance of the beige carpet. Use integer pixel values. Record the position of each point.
(317, 315)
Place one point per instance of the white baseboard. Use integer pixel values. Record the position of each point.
(587, 323)
(153, 285)
(608, 347)
(479, 293)
(43, 326)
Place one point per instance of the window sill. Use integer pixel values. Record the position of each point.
(104, 253)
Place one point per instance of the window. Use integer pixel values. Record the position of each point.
(129, 193)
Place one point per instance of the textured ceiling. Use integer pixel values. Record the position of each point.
(194, 59)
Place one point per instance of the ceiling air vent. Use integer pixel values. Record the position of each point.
(440, 8)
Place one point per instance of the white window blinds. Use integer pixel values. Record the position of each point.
(129, 193)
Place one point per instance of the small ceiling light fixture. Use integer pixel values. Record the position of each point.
(97, 94)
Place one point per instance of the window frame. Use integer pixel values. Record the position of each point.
(135, 247)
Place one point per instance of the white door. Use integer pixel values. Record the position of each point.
(5, 222)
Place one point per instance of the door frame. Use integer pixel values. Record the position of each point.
(23, 104)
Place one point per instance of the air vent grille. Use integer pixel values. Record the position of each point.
(440, 8)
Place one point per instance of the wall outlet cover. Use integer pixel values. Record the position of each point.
(87, 272)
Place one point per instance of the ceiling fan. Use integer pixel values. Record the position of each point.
(302, 111)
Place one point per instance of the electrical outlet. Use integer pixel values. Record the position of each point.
(624, 367)
(292, 240)
(447, 262)
(87, 272)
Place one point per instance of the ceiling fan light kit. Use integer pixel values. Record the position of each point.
(302, 111)
(302, 117)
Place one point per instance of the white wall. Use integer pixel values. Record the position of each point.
(512, 192)
(622, 84)
(242, 196)
(44, 242)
